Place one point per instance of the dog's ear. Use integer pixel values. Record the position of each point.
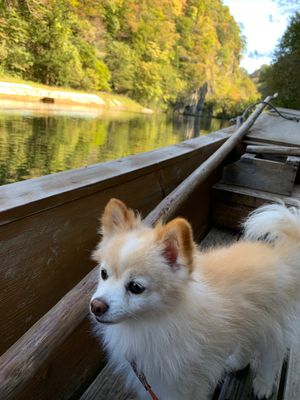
(118, 218)
(177, 238)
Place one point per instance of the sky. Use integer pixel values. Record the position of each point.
(263, 24)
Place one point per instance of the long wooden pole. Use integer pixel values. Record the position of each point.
(21, 362)
(167, 208)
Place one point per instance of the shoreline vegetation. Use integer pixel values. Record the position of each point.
(160, 53)
(14, 93)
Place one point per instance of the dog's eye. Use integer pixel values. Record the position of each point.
(135, 287)
(104, 275)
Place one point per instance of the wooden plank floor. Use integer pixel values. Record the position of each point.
(270, 128)
(106, 386)
(237, 386)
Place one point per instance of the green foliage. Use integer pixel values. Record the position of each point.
(122, 62)
(15, 56)
(43, 41)
(283, 75)
(56, 58)
(260, 78)
(159, 52)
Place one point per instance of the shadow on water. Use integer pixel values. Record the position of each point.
(32, 145)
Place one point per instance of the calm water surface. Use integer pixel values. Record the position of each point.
(32, 144)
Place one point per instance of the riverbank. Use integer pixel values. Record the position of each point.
(14, 94)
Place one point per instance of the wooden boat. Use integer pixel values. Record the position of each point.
(48, 228)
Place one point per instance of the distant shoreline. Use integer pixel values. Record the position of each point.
(46, 97)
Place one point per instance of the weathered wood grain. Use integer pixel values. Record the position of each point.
(273, 129)
(276, 150)
(238, 386)
(292, 384)
(262, 174)
(218, 236)
(24, 359)
(232, 204)
(69, 370)
(107, 386)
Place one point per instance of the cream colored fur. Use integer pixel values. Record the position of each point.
(201, 313)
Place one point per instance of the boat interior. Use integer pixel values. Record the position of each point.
(48, 228)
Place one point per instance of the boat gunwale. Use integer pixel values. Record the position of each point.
(24, 198)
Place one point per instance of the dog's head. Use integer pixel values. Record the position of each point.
(143, 271)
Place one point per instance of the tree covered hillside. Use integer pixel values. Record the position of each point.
(158, 52)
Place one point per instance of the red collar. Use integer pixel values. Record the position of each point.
(143, 380)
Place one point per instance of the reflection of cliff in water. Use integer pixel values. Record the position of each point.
(33, 144)
(195, 126)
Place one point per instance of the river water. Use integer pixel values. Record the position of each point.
(34, 144)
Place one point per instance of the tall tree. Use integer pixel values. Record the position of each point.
(283, 75)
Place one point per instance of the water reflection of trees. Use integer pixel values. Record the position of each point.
(31, 146)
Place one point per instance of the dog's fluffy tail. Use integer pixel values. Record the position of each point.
(273, 223)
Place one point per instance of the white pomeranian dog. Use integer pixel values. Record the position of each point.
(183, 316)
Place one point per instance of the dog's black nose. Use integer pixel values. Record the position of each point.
(98, 307)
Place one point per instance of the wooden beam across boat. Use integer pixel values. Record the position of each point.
(274, 150)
